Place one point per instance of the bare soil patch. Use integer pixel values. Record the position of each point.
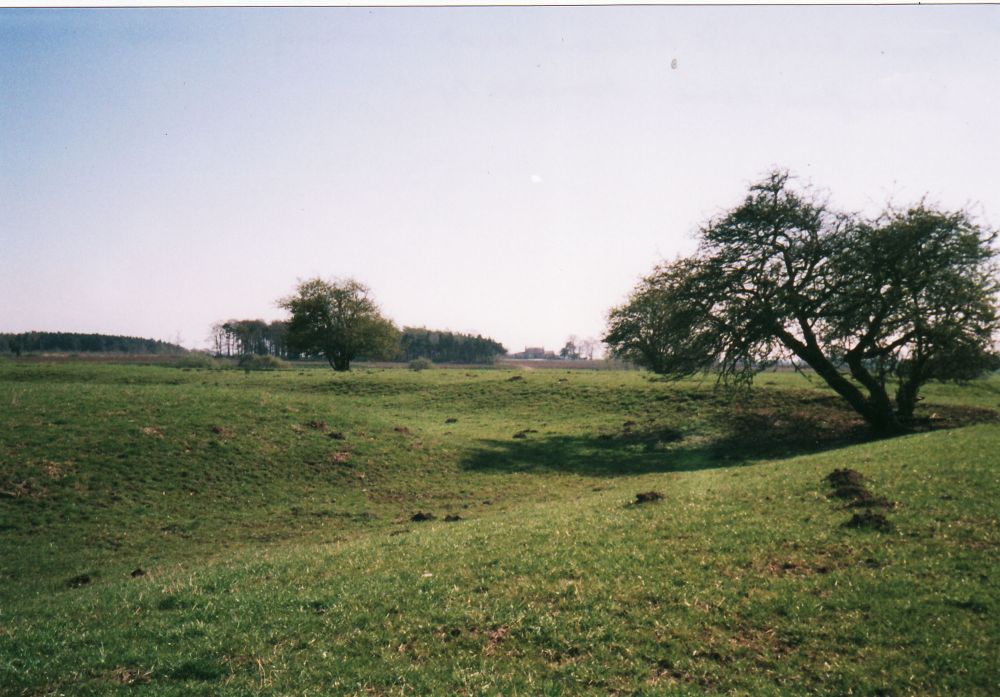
(869, 520)
(131, 676)
(845, 478)
(850, 492)
(869, 500)
(848, 485)
(78, 581)
(495, 637)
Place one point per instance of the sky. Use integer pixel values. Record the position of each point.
(509, 171)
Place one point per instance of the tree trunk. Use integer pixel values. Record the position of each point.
(909, 385)
(876, 409)
(906, 399)
(339, 362)
(879, 412)
(883, 420)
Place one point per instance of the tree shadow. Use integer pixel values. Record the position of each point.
(773, 426)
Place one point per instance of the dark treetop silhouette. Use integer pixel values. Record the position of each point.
(908, 297)
(338, 320)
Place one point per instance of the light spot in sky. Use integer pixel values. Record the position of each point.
(536, 178)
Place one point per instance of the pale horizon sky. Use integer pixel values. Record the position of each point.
(506, 171)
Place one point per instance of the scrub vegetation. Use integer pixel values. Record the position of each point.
(172, 531)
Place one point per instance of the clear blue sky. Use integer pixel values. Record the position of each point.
(510, 171)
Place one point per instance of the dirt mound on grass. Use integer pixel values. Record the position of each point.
(420, 517)
(78, 581)
(647, 497)
(848, 485)
(850, 491)
(860, 497)
(845, 477)
(868, 500)
(869, 520)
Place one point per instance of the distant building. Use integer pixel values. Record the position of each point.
(534, 352)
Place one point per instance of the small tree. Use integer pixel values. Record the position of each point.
(908, 297)
(588, 347)
(570, 349)
(338, 320)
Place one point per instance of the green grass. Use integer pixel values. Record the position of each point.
(281, 560)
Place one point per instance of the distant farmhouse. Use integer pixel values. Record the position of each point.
(535, 352)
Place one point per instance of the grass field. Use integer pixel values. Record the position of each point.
(178, 532)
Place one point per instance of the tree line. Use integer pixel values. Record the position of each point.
(448, 347)
(237, 338)
(71, 342)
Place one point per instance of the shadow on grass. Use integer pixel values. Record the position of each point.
(771, 425)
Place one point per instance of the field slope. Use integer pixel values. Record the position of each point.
(384, 532)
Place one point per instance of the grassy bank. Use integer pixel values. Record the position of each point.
(271, 518)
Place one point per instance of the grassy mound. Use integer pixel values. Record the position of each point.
(384, 532)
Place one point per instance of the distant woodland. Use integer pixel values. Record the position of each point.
(248, 337)
(448, 347)
(69, 342)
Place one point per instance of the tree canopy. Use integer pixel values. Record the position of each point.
(37, 342)
(570, 350)
(338, 320)
(448, 347)
(251, 337)
(868, 304)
